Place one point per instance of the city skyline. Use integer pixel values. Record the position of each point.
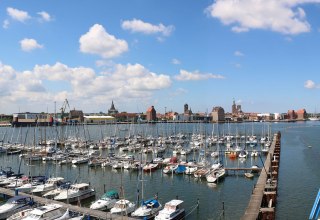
(264, 55)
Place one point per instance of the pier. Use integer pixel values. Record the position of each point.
(77, 209)
(264, 196)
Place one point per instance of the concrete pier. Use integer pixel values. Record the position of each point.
(264, 196)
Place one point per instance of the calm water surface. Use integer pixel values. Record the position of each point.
(298, 181)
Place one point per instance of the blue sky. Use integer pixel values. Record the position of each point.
(263, 54)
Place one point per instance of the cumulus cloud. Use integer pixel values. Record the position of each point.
(309, 84)
(285, 17)
(5, 24)
(29, 44)
(196, 75)
(82, 85)
(98, 41)
(238, 54)
(175, 61)
(44, 16)
(18, 15)
(140, 26)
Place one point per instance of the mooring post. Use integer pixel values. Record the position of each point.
(223, 208)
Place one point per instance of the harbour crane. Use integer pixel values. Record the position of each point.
(63, 108)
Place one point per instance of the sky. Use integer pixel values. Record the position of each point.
(264, 55)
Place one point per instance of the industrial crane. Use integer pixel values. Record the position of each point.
(63, 109)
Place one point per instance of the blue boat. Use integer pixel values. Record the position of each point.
(180, 169)
(148, 209)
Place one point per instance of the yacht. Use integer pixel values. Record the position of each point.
(47, 212)
(76, 192)
(107, 201)
(51, 184)
(123, 207)
(172, 210)
(147, 210)
(15, 204)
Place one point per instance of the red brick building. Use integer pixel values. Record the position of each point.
(151, 114)
(301, 114)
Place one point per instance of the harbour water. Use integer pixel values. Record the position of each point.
(298, 181)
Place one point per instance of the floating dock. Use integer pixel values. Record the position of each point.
(77, 209)
(264, 196)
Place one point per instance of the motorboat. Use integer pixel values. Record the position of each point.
(172, 210)
(46, 212)
(51, 184)
(106, 201)
(123, 207)
(52, 193)
(150, 167)
(147, 210)
(249, 175)
(215, 174)
(169, 168)
(15, 204)
(75, 193)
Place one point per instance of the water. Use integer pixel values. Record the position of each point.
(298, 176)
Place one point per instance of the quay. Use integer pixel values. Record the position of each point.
(89, 213)
(264, 196)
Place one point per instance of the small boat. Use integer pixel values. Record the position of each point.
(123, 207)
(249, 175)
(52, 193)
(215, 175)
(169, 169)
(150, 167)
(50, 211)
(75, 193)
(147, 210)
(15, 204)
(180, 169)
(172, 210)
(201, 173)
(51, 184)
(106, 201)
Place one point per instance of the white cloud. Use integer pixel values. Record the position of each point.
(283, 16)
(45, 16)
(5, 24)
(238, 54)
(29, 44)
(196, 75)
(18, 15)
(309, 84)
(86, 88)
(175, 61)
(137, 25)
(98, 41)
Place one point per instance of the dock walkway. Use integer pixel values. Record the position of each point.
(263, 198)
(83, 210)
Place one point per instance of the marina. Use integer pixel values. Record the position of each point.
(105, 178)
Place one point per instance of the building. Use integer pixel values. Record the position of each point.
(218, 114)
(98, 119)
(112, 110)
(76, 116)
(187, 113)
(236, 109)
(301, 114)
(291, 115)
(32, 119)
(151, 114)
